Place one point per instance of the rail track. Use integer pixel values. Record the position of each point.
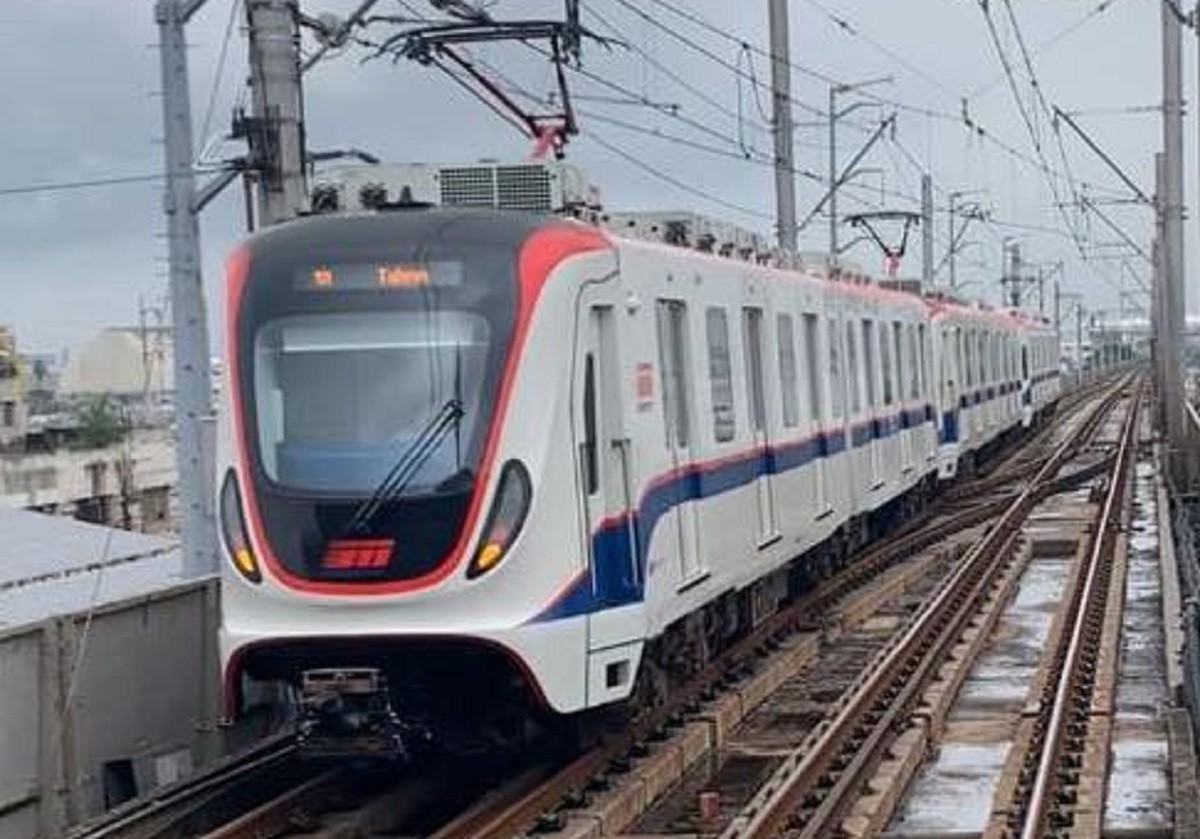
(1047, 789)
(340, 802)
(507, 816)
(809, 795)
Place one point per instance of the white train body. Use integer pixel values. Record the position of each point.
(684, 426)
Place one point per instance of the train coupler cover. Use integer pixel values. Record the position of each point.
(347, 713)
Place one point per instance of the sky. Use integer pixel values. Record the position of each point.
(80, 103)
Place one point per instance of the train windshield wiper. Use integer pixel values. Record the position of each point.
(447, 419)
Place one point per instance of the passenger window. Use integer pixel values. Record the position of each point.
(964, 342)
(753, 346)
(897, 346)
(720, 375)
(981, 355)
(885, 362)
(853, 369)
(591, 478)
(837, 382)
(811, 356)
(926, 381)
(870, 356)
(915, 360)
(786, 338)
(673, 349)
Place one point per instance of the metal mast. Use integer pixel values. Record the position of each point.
(276, 127)
(781, 95)
(927, 231)
(194, 427)
(1171, 207)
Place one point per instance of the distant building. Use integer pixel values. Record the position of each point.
(13, 407)
(125, 362)
(99, 449)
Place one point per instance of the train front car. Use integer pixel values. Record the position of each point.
(395, 421)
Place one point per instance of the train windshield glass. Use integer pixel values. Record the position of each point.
(342, 397)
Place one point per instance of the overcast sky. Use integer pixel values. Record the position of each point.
(79, 102)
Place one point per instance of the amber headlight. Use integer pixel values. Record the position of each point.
(233, 530)
(513, 494)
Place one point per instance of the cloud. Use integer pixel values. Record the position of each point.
(83, 105)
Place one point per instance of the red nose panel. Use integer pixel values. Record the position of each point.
(357, 554)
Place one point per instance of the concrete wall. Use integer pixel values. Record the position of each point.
(94, 707)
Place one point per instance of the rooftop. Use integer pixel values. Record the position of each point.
(52, 566)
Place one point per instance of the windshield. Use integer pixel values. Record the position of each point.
(342, 396)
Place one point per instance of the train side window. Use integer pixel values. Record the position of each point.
(720, 375)
(812, 366)
(836, 381)
(591, 477)
(885, 363)
(1025, 363)
(923, 343)
(901, 359)
(961, 338)
(915, 362)
(752, 345)
(786, 338)
(870, 361)
(980, 374)
(673, 350)
(989, 369)
(853, 370)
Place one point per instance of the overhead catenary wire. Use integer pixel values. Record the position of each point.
(661, 67)
(708, 53)
(93, 183)
(1044, 166)
(219, 72)
(658, 174)
(1045, 45)
(849, 28)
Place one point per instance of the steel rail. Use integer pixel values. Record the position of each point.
(520, 807)
(905, 658)
(166, 803)
(1090, 598)
(511, 813)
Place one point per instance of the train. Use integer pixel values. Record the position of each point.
(477, 465)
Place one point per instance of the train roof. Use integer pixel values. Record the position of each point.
(513, 227)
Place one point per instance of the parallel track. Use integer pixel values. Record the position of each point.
(528, 797)
(512, 814)
(808, 796)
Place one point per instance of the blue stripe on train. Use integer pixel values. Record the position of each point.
(613, 582)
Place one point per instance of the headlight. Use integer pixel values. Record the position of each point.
(233, 529)
(513, 494)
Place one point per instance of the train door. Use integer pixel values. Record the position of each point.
(674, 361)
(818, 413)
(871, 366)
(906, 366)
(951, 355)
(756, 398)
(603, 453)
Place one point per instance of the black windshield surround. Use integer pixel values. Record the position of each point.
(300, 521)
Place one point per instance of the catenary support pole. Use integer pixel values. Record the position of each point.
(1159, 291)
(1172, 208)
(953, 241)
(781, 94)
(277, 109)
(833, 173)
(193, 381)
(927, 231)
